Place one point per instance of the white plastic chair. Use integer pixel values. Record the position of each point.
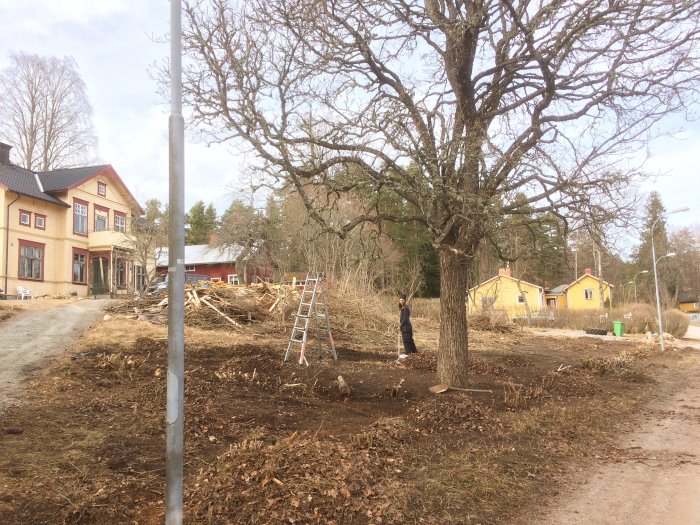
(24, 293)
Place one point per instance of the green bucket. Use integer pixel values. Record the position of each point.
(618, 328)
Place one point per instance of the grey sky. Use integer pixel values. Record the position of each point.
(112, 43)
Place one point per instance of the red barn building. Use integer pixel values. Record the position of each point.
(217, 263)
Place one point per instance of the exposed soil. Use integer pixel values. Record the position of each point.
(268, 442)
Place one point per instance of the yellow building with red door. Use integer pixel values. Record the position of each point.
(66, 231)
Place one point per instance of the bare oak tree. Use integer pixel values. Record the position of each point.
(454, 106)
(45, 113)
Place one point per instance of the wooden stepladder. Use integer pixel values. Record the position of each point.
(312, 307)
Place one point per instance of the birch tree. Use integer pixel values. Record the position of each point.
(45, 113)
(453, 106)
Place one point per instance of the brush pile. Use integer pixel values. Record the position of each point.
(217, 304)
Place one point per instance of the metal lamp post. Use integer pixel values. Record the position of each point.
(656, 277)
(634, 279)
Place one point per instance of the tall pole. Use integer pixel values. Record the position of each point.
(656, 286)
(656, 277)
(175, 412)
(634, 279)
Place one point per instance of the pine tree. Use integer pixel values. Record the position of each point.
(200, 223)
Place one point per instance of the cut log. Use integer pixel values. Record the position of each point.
(222, 314)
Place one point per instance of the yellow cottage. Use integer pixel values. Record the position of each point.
(66, 232)
(584, 292)
(504, 292)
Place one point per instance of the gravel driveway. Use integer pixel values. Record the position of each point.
(32, 336)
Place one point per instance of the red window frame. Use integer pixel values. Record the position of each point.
(119, 214)
(80, 251)
(31, 244)
(29, 217)
(102, 189)
(87, 212)
(39, 216)
(97, 208)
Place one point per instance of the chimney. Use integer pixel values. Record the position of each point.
(213, 238)
(5, 153)
(587, 271)
(504, 271)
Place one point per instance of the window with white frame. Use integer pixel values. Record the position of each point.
(119, 223)
(80, 212)
(190, 268)
(102, 189)
(233, 279)
(521, 299)
(39, 221)
(588, 294)
(25, 218)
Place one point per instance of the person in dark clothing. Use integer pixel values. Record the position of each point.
(406, 328)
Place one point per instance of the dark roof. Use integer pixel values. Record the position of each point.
(559, 289)
(688, 296)
(24, 182)
(65, 179)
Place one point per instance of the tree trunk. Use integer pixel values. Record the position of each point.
(452, 353)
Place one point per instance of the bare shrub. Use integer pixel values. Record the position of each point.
(521, 396)
(638, 319)
(618, 364)
(675, 322)
(426, 307)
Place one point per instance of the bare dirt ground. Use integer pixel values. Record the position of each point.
(274, 443)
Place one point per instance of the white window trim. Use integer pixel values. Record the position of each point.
(585, 294)
(119, 223)
(233, 278)
(26, 214)
(80, 210)
(190, 268)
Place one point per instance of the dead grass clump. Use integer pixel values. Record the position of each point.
(385, 433)
(494, 322)
(517, 396)
(616, 365)
(675, 322)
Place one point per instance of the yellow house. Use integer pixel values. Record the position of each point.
(504, 292)
(555, 299)
(66, 231)
(584, 292)
(689, 302)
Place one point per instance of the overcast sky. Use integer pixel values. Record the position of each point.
(112, 42)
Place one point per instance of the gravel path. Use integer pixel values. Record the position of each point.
(32, 336)
(657, 481)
